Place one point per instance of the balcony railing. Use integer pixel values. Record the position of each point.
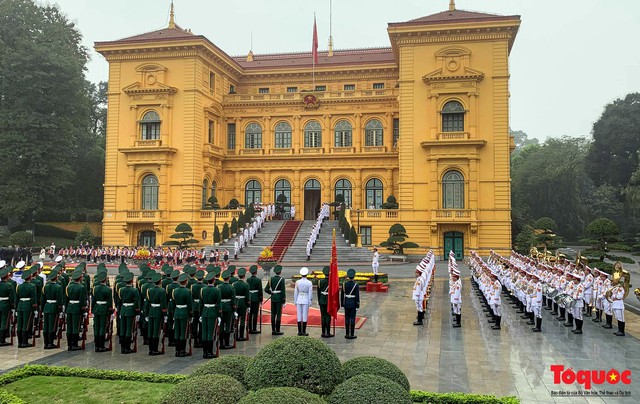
(148, 143)
(453, 214)
(143, 215)
(282, 151)
(453, 135)
(312, 150)
(322, 95)
(222, 214)
(256, 152)
(374, 149)
(380, 214)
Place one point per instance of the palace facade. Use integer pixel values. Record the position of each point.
(425, 120)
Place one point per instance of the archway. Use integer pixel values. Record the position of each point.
(454, 241)
(311, 199)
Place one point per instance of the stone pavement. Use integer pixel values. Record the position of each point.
(435, 357)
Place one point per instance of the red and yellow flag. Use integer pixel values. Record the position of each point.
(334, 281)
(314, 45)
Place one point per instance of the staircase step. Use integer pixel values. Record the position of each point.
(285, 237)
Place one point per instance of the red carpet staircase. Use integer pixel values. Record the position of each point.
(285, 238)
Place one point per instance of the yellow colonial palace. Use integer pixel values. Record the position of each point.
(425, 120)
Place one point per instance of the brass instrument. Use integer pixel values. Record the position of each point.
(533, 252)
(637, 292)
(565, 300)
(621, 276)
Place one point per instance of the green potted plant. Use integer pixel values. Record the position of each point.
(216, 236)
(225, 232)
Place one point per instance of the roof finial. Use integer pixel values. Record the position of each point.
(330, 29)
(172, 22)
(452, 5)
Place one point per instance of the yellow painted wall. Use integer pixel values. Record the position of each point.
(467, 62)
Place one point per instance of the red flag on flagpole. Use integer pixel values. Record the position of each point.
(334, 282)
(314, 46)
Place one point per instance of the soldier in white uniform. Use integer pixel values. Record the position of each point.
(419, 290)
(375, 264)
(588, 291)
(606, 305)
(495, 302)
(236, 248)
(578, 295)
(597, 286)
(456, 296)
(302, 297)
(293, 211)
(617, 305)
(536, 304)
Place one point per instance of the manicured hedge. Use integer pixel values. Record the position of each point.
(281, 395)
(44, 370)
(459, 398)
(230, 365)
(369, 389)
(374, 366)
(213, 388)
(8, 398)
(300, 362)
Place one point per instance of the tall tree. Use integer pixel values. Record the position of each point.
(521, 140)
(616, 139)
(44, 107)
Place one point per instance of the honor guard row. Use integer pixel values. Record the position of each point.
(424, 276)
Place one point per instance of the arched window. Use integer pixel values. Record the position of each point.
(453, 117)
(150, 193)
(312, 184)
(252, 192)
(283, 135)
(343, 133)
(374, 193)
(282, 187)
(453, 190)
(312, 134)
(205, 190)
(214, 188)
(373, 133)
(343, 187)
(150, 126)
(253, 136)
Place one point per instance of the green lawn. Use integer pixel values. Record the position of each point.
(55, 389)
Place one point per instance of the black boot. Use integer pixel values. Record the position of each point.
(75, 347)
(555, 309)
(492, 319)
(299, 328)
(3, 338)
(531, 317)
(69, 342)
(375, 278)
(496, 326)
(456, 323)
(304, 329)
(419, 320)
(353, 330)
(127, 345)
(620, 332)
(596, 317)
(587, 311)
(609, 321)
(569, 322)
(205, 350)
(578, 329)
(241, 334)
(561, 316)
(538, 326)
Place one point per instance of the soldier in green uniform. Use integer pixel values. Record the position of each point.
(171, 305)
(323, 301)
(7, 303)
(119, 283)
(102, 309)
(63, 277)
(276, 288)
(196, 330)
(232, 272)
(217, 271)
(27, 308)
(143, 279)
(255, 293)
(183, 311)
(51, 307)
(350, 300)
(210, 315)
(155, 311)
(86, 280)
(166, 276)
(243, 299)
(228, 309)
(36, 269)
(76, 308)
(130, 302)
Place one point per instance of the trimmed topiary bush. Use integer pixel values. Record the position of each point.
(418, 396)
(374, 366)
(300, 362)
(369, 389)
(281, 395)
(213, 388)
(230, 365)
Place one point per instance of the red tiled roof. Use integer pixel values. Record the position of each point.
(454, 16)
(165, 33)
(304, 59)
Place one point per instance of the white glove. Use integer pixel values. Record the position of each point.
(235, 314)
(219, 320)
(166, 319)
(137, 318)
(61, 316)
(85, 315)
(35, 314)
(13, 312)
(200, 319)
(146, 319)
(284, 305)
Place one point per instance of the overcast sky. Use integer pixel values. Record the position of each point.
(570, 58)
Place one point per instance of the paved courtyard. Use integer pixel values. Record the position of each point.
(435, 357)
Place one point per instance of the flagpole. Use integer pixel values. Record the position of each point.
(313, 57)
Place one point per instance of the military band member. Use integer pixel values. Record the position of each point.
(228, 309)
(418, 296)
(243, 299)
(210, 315)
(323, 301)
(617, 305)
(7, 303)
(350, 300)
(255, 292)
(606, 304)
(495, 302)
(597, 286)
(578, 295)
(536, 304)
(130, 302)
(102, 309)
(588, 284)
(302, 297)
(276, 288)
(51, 307)
(456, 296)
(76, 301)
(155, 311)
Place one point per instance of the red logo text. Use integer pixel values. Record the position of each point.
(589, 377)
